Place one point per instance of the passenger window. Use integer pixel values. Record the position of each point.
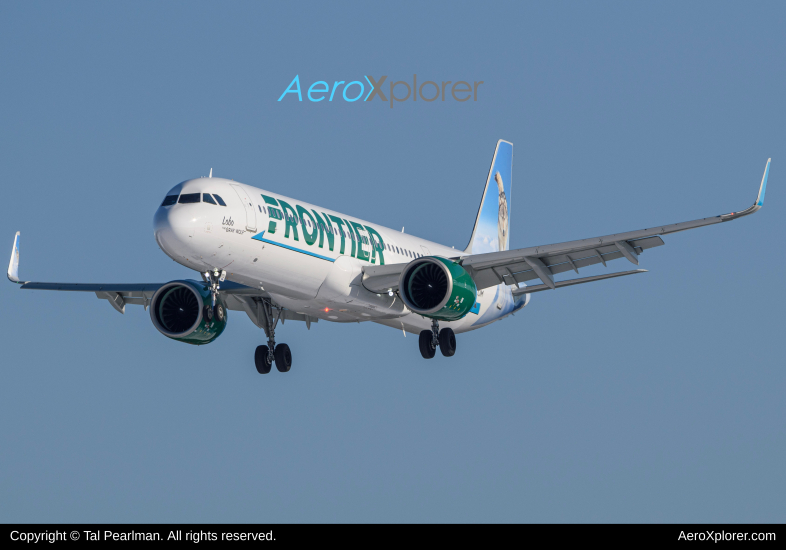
(187, 198)
(219, 200)
(207, 198)
(169, 200)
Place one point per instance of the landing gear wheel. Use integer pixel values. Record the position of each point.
(447, 342)
(426, 349)
(208, 313)
(260, 360)
(219, 312)
(283, 358)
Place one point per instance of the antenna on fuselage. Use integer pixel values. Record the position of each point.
(211, 173)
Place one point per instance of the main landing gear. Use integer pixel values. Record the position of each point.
(429, 340)
(264, 356)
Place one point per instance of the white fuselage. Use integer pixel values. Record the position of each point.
(307, 266)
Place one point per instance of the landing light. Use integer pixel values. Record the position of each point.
(327, 309)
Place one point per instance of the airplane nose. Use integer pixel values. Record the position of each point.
(174, 229)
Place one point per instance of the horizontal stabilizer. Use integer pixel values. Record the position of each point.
(571, 282)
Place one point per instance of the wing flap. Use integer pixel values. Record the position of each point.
(521, 272)
(571, 282)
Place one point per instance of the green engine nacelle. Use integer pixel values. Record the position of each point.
(437, 288)
(183, 311)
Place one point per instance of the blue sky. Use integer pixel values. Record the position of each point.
(650, 398)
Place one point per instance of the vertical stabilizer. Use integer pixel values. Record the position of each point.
(492, 225)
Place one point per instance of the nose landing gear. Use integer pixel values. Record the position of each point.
(264, 356)
(429, 340)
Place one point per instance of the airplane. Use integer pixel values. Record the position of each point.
(280, 259)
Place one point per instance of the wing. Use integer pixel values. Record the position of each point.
(119, 295)
(238, 296)
(543, 262)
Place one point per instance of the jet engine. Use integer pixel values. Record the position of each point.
(437, 288)
(184, 311)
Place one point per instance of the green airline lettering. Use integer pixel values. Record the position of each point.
(274, 213)
(362, 254)
(352, 234)
(311, 237)
(327, 227)
(320, 228)
(377, 244)
(289, 219)
(323, 227)
(270, 200)
(340, 224)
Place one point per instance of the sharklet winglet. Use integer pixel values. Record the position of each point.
(759, 198)
(13, 264)
(763, 186)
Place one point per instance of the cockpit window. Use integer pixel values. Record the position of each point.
(219, 200)
(189, 197)
(207, 198)
(169, 200)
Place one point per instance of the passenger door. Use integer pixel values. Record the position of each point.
(251, 214)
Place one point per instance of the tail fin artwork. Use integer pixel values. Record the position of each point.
(492, 225)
